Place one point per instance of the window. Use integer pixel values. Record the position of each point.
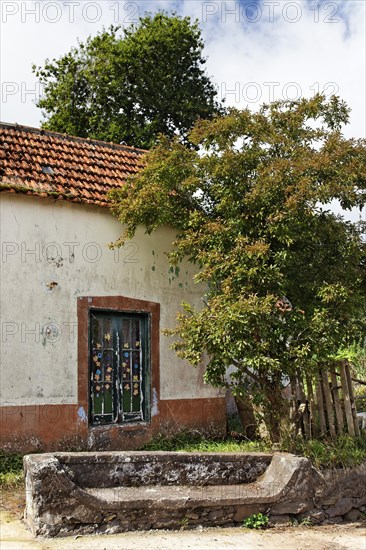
(118, 367)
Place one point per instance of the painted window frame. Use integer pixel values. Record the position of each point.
(117, 305)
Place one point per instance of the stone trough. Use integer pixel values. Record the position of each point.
(111, 492)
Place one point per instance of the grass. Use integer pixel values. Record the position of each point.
(196, 443)
(11, 469)
(343, 452)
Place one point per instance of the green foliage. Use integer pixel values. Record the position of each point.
(129, 87)
(256, 521)
(285, 276)
(343, 452)
(184, 523)
(355, 353)
(234, 423)
(195, 442)
(11, 469)
(306, 522)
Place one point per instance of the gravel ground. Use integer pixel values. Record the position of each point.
(14, 536)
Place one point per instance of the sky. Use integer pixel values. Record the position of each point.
(256, 50)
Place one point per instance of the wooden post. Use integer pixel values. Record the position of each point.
(305, 414)
(312, 422)
(346, 398)
(352, 399)
(319, 393)
(337, 403)
(293, 401)
(328, 402)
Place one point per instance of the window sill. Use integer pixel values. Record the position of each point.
(135, 426)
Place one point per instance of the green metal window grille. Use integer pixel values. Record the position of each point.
(119, 373)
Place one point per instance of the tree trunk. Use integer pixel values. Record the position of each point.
(246, 414)
(275, 410)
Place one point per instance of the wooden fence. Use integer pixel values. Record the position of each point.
(325, 404)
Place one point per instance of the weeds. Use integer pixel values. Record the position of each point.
(184, 523)
(11, 469)
(195, 442)
(256, 521)
(343, 452)
(305, 522)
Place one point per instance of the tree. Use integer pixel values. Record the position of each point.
(129, 88)
(285, 276)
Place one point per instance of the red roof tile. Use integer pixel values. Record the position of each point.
(83, 169)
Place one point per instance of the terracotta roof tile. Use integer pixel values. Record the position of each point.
(83, 170)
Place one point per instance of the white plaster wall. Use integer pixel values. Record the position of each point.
(44, 242)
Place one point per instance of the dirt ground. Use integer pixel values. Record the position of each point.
(14, 536)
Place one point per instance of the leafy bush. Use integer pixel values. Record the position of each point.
(256, 521)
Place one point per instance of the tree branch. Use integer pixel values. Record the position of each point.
(363, 382)
(247, 371)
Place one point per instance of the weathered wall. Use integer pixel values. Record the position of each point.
(114, 492)
(54, 252)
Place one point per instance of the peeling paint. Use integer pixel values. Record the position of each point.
(51, 285)
(154, 404)
(39, 392)
(82, 414)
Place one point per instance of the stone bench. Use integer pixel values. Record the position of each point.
(111, 492)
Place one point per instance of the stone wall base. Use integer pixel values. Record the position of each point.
(339, 497)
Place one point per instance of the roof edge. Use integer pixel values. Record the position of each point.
(68, 137)
(27, 191)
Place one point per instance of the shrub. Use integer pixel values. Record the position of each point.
(256, 521)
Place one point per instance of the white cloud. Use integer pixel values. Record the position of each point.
(289, 50)
(283, 59)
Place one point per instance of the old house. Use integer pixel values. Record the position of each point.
(83, 362)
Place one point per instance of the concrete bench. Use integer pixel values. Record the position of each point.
(111, 492)
(71, 493)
